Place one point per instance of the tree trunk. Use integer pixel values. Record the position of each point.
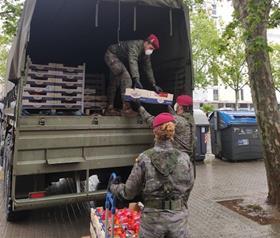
(263, 91)
(236, 98)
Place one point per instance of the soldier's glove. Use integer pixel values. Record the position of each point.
(135, 104)
(113, 180)
(157, 88)
(137, 84)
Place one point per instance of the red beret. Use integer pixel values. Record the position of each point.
(154, 41)
(162, 118)
(184, 100)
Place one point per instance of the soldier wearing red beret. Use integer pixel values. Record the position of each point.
(129, 53)
(184, 138)
(163, 175)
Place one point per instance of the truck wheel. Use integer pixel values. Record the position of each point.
(7, 156)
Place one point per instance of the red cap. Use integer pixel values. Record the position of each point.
(154, 41)
(184, 100)
(162, 118)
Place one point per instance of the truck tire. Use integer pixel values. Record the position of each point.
(7, 156)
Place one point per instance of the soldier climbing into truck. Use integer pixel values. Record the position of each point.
(131, 52)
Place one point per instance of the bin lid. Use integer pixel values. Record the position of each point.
(228, 118)
(200, 118)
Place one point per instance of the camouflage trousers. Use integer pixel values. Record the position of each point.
(164, 224)
(120, 77)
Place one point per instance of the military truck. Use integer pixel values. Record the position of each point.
(39, 149)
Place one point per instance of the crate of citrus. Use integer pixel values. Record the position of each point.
(126, 223)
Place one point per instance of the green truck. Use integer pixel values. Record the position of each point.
(39, 149)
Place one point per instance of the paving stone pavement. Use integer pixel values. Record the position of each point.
(224, 181)
(208, 219)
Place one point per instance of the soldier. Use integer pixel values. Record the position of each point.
(184, 138)
(131, 52)
(164, 177)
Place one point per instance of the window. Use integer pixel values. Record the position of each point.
(214, 10)
(241, 94)
(243, 105)
(220, 105)
(215, 94)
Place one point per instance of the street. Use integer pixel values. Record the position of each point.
(215, 182)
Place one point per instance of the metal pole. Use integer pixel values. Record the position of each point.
(96, 13)
(134, 18)
(119, 21)
(171, 21)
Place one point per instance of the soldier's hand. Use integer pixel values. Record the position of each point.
(171, 110)
(138, 84)
(113, 180)
(157, 88)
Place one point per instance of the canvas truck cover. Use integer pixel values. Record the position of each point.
(17, 53)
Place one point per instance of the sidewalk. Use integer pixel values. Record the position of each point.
(225, 181)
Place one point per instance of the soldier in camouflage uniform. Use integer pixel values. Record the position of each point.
(164, 177)
(132, 53)
(184, 138)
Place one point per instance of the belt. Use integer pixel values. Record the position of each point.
(165, 204)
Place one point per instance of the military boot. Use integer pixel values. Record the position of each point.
(111, 111)
(127, 110)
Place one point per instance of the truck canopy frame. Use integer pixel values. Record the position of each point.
(71, 32)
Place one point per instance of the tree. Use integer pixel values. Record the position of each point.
(255, 16)
(9, 15)
(275, 64)
(205, 37)
(232, 63)
(3, 57)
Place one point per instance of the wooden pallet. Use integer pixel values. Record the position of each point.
(55, 82)
(50, 103)
(89, 98)
(93, 105)
(43, 76)
(96, 82)
(56, 67)
(54, 86)
(46, 87)
(31, 89)
(90, 91)
(52, 94)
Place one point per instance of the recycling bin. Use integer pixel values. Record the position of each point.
(202, 129)
(235, 135)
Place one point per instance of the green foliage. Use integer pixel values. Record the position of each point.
(3, 57)
(205, 37)
(9, 15)
(274, 19)
(232, 61)
(275, 64)
(207, 108)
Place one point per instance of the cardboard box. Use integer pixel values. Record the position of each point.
(147, 96)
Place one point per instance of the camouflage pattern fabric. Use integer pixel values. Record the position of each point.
(184, 138)
(132, 52)
(164, 224)
(121, 78)
(161, 173)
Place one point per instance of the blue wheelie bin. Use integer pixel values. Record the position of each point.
(235, 135)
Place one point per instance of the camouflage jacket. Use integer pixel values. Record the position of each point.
(184, 138)
(133, 52)
(162, 172)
